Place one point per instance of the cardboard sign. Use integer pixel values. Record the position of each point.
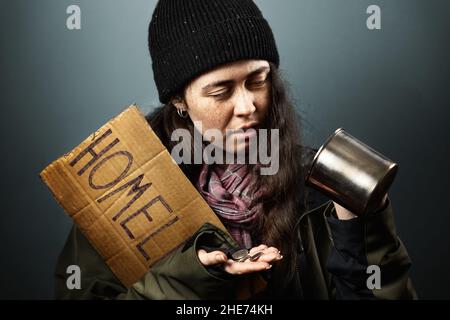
(127, 195)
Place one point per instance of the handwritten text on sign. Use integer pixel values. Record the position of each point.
(94, 166)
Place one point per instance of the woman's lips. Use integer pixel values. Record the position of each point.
(253, 125)
(245, 133)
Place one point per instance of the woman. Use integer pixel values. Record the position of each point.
(215, 64)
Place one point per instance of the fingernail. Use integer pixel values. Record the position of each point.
(220, 257)
(270, 266)
(281, 257)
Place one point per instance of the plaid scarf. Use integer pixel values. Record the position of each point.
(228, 192)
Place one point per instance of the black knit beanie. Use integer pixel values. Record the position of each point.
(189, 37)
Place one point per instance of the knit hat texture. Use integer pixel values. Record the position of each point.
(189, 37)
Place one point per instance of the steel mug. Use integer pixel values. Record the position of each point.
(351, 173)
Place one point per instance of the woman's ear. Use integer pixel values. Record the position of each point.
(179, 103)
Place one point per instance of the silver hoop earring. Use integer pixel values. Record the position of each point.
(182, 113)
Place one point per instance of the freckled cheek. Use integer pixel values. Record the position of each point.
(217, 119)
(262, 103)
(211, 117)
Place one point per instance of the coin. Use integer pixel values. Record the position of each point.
(256, 256)
(239, 254)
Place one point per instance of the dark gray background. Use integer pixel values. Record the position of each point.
(389, 88)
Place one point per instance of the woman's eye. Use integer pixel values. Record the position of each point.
(258, 83)
(219, 95)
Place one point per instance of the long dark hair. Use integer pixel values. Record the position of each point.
(283, 198)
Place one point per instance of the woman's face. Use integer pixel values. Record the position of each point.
(233, 96)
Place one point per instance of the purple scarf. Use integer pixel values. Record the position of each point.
(227, 191)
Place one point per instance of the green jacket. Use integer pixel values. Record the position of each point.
(333, 264)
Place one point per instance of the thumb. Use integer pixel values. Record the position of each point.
(211, 258)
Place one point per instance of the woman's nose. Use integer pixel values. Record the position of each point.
(244, 104)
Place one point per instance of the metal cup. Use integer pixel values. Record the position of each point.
(351, 173)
